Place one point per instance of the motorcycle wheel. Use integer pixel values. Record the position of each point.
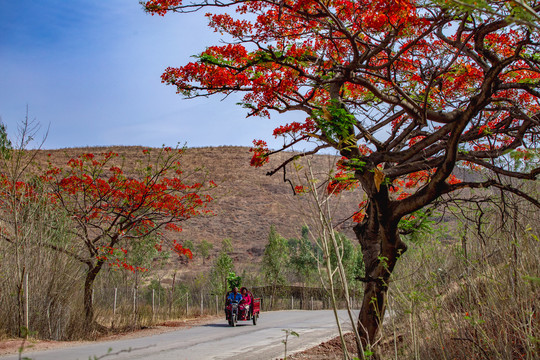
(234, 320)
(255, 316)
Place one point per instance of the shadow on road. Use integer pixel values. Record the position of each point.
(216, 325)
(224, 325)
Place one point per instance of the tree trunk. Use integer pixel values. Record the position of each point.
(381, 248)
(20, 305)
(91, 275)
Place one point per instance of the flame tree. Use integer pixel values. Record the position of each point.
(404, 90)
(111, 210)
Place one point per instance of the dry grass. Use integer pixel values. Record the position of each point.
(464, 294)
(476, 297)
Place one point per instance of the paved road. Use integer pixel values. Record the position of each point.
(215, 340)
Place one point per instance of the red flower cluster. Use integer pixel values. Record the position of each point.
(342, 181)
(295, 127)
(260, 153)
(182, 251)
(161, 7)
(361, 213)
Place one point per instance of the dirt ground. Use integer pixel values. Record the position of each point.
(327, 351)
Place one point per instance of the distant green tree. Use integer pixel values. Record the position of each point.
(188, 244)
(203, 248)
(157, 289)
(200, 283)
(251, 275)
(302, 256)
(226, 245)
(145, 255)
(222, 266)
(359, 271)
(351, 257)
(5, 143)
(275, 260)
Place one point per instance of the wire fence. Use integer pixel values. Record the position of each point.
(124, 306)
(59, 318)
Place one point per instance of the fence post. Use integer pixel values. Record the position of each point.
(27, 307)
(217, 306)
(134, 303)
(312, 303)
(187, 304)
(271, 302)
(158, 302)
(153, 304)
(114, 305)
(292, 302)
(202, 307)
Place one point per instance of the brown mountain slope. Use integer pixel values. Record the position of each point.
(247, 202)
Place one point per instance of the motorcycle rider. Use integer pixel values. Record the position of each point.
(234, 296)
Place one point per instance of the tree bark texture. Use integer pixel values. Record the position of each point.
(381, 247)
(91, 275)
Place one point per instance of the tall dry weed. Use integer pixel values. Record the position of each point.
(470, 291)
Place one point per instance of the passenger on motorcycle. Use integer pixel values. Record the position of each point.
(246, 303)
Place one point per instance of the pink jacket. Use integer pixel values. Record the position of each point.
(247, 299)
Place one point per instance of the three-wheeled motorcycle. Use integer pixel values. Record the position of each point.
(236, 311)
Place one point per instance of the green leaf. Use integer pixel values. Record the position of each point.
(532, 279)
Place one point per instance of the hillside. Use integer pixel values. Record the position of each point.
(247, 201)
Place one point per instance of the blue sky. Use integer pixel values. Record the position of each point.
(90, 71)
